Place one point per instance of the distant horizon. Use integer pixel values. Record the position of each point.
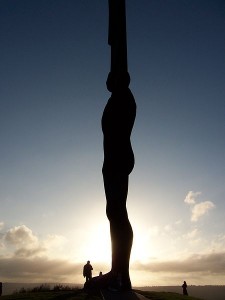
(133, 286)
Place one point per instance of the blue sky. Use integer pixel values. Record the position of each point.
(54, 64)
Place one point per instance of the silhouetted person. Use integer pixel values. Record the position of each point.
(184, 287)
(87, 271)
(0, 289)
(100, 273)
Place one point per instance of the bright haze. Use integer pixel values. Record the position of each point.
(54, 64)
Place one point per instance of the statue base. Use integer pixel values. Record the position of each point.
(109, 281)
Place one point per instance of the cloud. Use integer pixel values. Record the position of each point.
(38, 269)
(198, 209)
(201, 209)
(43, 269)
(212, 263)
(30, 259)
(24, 252)
(21, 236)
(20, 241)
(191, 196)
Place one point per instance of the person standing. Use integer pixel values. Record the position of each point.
(184, 287)
(87, 271)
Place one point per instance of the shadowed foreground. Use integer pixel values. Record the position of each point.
(165, 296)
(80, 295)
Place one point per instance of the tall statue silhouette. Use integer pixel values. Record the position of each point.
(117, 123)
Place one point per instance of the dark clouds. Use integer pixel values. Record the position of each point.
(23, 252)
(42, 269)
(38, 269)
(213, 263)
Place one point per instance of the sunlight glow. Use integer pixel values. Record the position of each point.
(98, 246)
(141, 248)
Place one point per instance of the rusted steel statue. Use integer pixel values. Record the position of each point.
(117, 123)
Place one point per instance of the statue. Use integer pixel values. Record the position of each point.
(117, 123)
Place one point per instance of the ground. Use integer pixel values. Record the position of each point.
(80, 295)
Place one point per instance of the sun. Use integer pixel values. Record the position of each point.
(98, 245)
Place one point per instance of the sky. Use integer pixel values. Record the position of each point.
(54, 62)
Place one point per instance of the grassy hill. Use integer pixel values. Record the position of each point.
(165, 296)
(80, 295)
(49, 295)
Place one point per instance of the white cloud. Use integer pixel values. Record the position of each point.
(20, 242)
(201, 209)
(197, 209)
(191, 197)
(21, 236)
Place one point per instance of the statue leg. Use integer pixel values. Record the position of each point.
(116, 188)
